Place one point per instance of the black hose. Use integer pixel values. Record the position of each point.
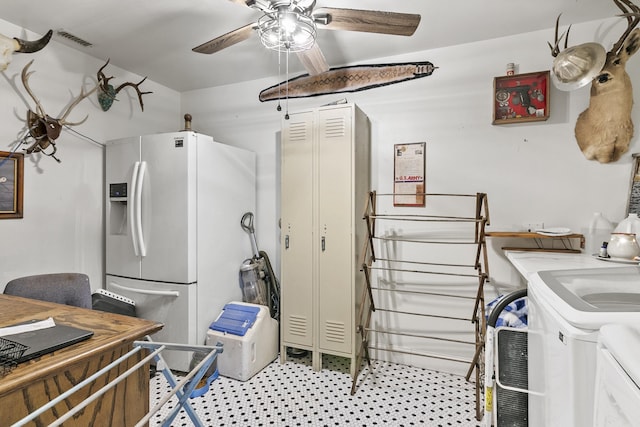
(274, 287)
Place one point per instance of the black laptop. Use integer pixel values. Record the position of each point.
(48, 340)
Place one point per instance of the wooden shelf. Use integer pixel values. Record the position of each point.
(537, 238)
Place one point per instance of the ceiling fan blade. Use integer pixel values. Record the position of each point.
(368, 21)
(226, 40)
(313, 60)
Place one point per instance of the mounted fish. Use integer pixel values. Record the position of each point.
(9, 46)
(347, 79)
(604, 130)
(107, 93)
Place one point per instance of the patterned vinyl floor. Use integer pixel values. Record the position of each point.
(292, 394)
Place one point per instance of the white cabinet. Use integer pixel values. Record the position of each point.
(324, 186)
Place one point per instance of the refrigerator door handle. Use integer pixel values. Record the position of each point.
(138, 203)
(147, 291)
(133, 209)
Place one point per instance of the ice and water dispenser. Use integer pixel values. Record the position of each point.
(118, 208)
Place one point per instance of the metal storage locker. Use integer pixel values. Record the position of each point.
(325, 181)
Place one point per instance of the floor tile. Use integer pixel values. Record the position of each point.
(292, 394)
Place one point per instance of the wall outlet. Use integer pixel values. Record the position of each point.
(533, 226)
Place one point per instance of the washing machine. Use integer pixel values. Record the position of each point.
(567, 308)
(617, 386)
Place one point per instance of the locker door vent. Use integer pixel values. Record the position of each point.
(298, 325)
(335, 127)
(298, 132)
(334, 331)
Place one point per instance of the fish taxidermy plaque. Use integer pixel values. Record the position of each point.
(347, 79)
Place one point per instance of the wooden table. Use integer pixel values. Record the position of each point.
(34, 383)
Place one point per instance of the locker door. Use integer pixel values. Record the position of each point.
(335, 207)
(296, 230)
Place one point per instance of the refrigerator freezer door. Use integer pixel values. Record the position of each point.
(122, 156)
(172, 304)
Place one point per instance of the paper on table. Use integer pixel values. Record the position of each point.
(27, 327)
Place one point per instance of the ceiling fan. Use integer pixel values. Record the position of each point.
(290, 26)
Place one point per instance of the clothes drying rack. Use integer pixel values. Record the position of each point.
(182, 389)
(454, 272)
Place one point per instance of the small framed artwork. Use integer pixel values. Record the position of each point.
(11, 184)
(633, 204)
(521, 98)
(409, 172)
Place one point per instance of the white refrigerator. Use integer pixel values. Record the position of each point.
(174, 243)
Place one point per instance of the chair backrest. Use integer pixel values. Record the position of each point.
(63, 288)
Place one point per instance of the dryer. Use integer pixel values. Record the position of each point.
(617, 390)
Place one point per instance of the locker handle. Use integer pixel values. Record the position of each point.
(324, 246)
(286, 241)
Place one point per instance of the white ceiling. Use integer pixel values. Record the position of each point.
(154, 38)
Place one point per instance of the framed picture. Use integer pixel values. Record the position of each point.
(409, 172)
(633, 203)
(521, 98)
(11, 184)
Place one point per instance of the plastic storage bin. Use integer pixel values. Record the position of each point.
(249, 336)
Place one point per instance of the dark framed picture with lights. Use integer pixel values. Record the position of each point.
(11, 184)
(521, 98)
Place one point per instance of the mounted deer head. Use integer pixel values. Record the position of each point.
(44, 129)
(108, 93)
(9, 46)
(604, 130)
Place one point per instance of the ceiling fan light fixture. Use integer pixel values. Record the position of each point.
(287, 31)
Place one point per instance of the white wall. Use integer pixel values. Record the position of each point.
(532, 172)
(62, 228)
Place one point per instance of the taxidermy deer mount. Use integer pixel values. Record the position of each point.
(43, 130)
(108, 93)
(604, 130)
(8, 46)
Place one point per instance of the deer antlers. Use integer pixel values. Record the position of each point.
(43, 130)
(629, 11)
(108, 94)
(555, 50)
(632, 13)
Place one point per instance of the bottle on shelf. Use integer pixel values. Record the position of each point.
(600, 229)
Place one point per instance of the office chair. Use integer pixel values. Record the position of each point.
(62, 288)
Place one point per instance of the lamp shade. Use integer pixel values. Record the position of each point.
(576, 66)
(287, 31)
